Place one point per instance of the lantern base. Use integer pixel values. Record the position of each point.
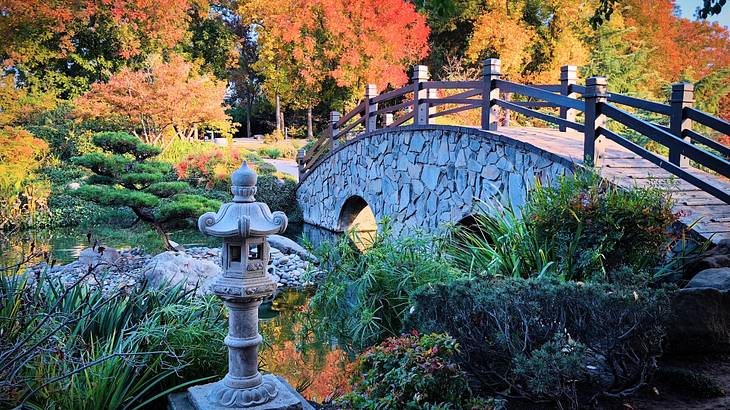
(286, 398)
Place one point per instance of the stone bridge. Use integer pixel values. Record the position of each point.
(422, 176)
(389, 154)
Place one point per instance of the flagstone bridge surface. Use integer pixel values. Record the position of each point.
(425, 175)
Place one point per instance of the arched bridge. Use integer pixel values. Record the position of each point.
(394, 154)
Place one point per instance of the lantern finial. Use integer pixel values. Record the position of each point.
(243, 184)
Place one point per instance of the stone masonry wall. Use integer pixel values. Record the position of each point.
(424, 176)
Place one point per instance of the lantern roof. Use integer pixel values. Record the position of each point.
(244, 217)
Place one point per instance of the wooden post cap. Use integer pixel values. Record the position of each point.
(492, 66)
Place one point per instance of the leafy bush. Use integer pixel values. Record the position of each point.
(77, 347)
(364, 297)
(411, 372)
(596, 228)
(580, 229)
(125, 176)
(285, 149)
(212, 168)
(547, 340)
(272, 152)
(689, 383)
(279, 195)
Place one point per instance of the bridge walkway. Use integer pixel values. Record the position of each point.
(710, 216)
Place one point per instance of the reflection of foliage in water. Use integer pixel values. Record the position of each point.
(313, 365)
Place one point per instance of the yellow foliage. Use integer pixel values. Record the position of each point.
(500, 34)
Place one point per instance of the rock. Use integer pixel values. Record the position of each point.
(172, 268)
(100, 256)
(700, 323)
(288, 246)
(717, 257)
(72, 186)
(717, 278)
(176, 246)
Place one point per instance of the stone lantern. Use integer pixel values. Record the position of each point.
(244, 225)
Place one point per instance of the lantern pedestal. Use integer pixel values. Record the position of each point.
(286, 397)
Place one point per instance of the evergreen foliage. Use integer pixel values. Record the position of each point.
(125, 175)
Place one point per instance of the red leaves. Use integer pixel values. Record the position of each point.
(307, 42)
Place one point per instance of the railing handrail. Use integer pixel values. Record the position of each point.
(418, 100)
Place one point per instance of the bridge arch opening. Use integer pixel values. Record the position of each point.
(358, 218)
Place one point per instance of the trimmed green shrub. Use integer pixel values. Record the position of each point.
(411, 372)
(125, 176)
(689, 383)
(541, 340)
(364, 297)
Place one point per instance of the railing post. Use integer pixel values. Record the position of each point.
(301, 157)
(683, 95)
(334, 132)
(388, 119)
(490, 113)
(593, 143)
(420, 109)
(568, 77)
(371, 90)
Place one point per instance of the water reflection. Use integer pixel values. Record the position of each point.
(316, 368)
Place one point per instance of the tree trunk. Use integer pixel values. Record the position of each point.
(310, 132)
(248, 119)
(279, 121)
(282, 123)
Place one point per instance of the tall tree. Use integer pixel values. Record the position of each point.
(168, 96)
(65, 45)
(307, 44)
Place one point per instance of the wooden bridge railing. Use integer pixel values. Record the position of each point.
(419, 103)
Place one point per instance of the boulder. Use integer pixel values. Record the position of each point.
(717, 257)
(700, 323)
(173, 268)
(288, 246)
(98, 256)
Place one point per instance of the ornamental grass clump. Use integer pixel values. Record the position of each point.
(73, 346)
(364, 297)
(125, 175)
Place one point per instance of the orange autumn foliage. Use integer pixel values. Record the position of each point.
(169, 96)
(29, 26)
(304, 43)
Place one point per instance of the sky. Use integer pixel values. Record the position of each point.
(688, 8)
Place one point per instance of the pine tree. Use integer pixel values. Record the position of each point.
(125, 175)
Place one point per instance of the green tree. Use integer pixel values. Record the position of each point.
(125, 175)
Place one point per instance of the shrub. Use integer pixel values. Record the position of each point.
(546, 340)
(272, 153)
(125, 176)
(279, 195)
(284, 149)
(596, 228)
(689, 383)
(273, 137)
(500, 243)
(364, 297)
(212, 168)
(411, 372)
